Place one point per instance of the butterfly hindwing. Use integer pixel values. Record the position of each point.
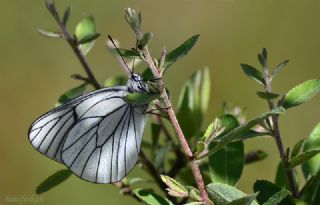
(103, 146)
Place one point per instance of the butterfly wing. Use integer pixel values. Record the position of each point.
(49, 131)
(104, 145)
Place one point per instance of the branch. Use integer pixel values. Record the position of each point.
(278, 139)
(73, 44)
(175, 123)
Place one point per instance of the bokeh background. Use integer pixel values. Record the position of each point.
(35, 70)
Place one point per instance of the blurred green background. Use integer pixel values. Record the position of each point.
(35, 70)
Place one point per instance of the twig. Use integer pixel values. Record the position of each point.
(155, 174)
(278, 139)
(73, 44)
(181, 161)
(126, 190)
(176, 126)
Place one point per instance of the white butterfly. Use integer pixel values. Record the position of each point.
(97, 135)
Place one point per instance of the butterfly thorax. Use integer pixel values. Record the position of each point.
(139, 91)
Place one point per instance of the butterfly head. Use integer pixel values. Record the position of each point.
(136, 84)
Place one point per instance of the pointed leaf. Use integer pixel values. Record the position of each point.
(205, 90)
(311, 191)
(245, 200)
(226, 164)
(278, 197)
(262, 61)
(304, 156)
(86, 27)
(253, 73)
(155, 133)
(115, 81)
(71, 94)
(251, 134)
(50, 34)
(161, 156)
(279, 68)
(267, 96)
(174, 188)
(151, 198)
(238, 132)
(89, 38)
(127, 53)
(297, 148)
(53, 180)
(312, 166)
(266, 190)
(281, 177)
(222, 194)
(255, 156)
(301, 93)
(66, 15)
(180, 51)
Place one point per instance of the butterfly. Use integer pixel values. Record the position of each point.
(97, 135)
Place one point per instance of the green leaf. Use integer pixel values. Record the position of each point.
(245, 200)
(279, 68)
(312, 166)
(194, 203)
(180, 51)
(161, 156)
(71, 94)
(86, 28)
(267, 96)
(263, 57)
(222, 194)
(66, 15)
(238, 132)
(311, 191)
(226, 164)
(297, 148)
(251, 134)
(53, 181)
(50, 34)
(281, 177)
(301, 93)
(304, 156)
(185, 113)
(208, 131)
(267, 190)
(126, 53)
(262, 61)
(201, 147)
(115, 81)
(174, 188)
(155, 133)
(253, 73)
(89, 38)
(278, 197)
(205, 90)
(151, 198)
(255, 156)
(229, 122)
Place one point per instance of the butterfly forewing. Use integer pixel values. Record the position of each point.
(97, 135)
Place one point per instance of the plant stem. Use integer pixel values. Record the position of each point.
(74, 45)
(176, 126)
(277, 136)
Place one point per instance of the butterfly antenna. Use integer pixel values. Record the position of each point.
(130, 71)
